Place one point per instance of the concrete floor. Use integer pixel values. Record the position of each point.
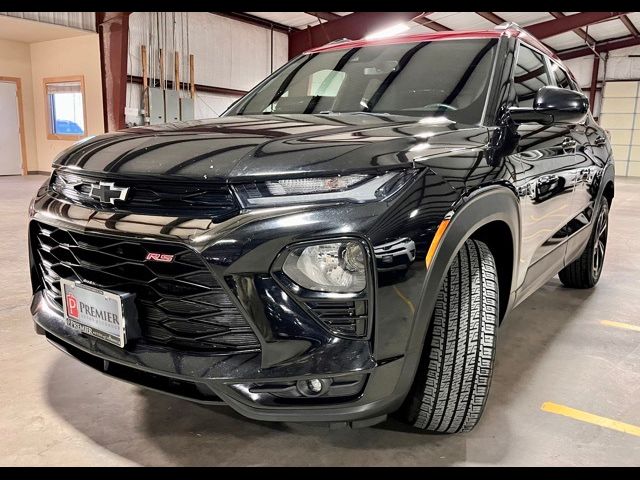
(553, 348)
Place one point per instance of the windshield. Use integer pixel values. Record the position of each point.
(445, 78)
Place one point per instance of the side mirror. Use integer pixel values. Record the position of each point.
(553, 105)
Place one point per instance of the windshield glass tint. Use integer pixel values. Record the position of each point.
(447, 78)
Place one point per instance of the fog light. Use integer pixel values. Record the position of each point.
(313, 387)
(329, 267)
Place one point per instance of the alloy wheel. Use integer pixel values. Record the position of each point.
(600, 242)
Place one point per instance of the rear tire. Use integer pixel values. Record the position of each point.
(585, 271)
(452, 383)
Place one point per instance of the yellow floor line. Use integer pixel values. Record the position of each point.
(626, 326)
(590, 418)
(409, 303)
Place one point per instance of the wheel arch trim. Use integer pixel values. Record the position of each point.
(479, 208)
(608, 176)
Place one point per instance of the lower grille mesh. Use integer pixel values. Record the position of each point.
(347, 317)
(180, 304)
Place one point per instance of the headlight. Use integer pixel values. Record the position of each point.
(353, 188)
(329, 267)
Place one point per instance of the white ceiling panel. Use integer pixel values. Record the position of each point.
(635, 19)
(291, 19)
(461, 20)
(472, 21)
(525, 18)
(416, 28)
(564, 41)
(606, 30)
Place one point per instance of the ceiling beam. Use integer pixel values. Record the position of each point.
(578, 31)
(492, 17)
(328, 16)
(353, 26)
(570, 22)
(630, 26)
(432, 24)
(600, 47)
(257, 21)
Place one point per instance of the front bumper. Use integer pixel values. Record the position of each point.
(293, 347)
(211, 379)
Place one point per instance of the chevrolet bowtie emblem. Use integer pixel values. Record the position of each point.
(107, 192)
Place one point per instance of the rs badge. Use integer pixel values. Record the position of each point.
(159, 257)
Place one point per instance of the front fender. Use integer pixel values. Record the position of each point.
(479, 208)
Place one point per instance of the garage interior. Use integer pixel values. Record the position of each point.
(566, 389)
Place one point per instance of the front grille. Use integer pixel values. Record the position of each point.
(347, 317)
(180, 304)
(169, 198)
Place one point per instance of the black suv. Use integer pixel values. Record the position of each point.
(342, 243)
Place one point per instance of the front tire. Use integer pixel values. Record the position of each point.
(452, 383)
(585, 271)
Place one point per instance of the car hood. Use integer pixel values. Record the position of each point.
(240, 148)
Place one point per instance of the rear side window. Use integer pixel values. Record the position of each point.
(562, 79)
(530, 74)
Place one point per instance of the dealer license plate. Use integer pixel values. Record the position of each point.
(93, 311)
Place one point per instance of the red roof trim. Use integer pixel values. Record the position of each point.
(399, 39)
(423, 37)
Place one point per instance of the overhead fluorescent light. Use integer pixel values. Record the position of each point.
(388, 32)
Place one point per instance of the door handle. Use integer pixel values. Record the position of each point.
(569, 145)
(599, 141)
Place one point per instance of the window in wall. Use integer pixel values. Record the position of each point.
(529, 76)
(64, 100)
(562, 79)
(325, 83)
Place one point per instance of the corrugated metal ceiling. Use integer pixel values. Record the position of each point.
(605, 30)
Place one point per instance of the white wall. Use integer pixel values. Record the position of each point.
(60, 58)
(54, 58)
(228, 54)
(620, 66)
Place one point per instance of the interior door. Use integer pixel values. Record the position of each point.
(545, 180)
(10, 152)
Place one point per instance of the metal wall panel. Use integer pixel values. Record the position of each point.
(80, 20)
(621, 116)
(206, 105)
(228, 53)
(209, 105)
(623, 64)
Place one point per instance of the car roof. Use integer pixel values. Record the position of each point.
(438, 36)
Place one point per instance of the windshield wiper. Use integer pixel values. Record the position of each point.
(329, 112)
(377, 114)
